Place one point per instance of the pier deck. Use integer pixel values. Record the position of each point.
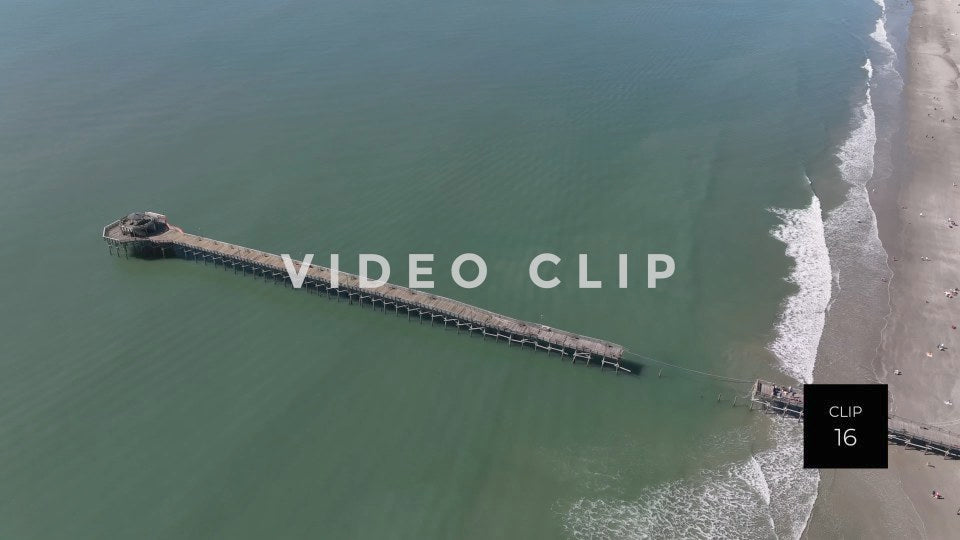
(928, 438)
(465, 317)
(909, 433)
(780, 399)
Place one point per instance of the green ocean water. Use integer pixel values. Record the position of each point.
(161, 399)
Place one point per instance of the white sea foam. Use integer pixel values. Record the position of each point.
(856, 153)
(767, 495)
(804, 313)
(820, 248)
(851, 228)
(805, 234)
(880, 36)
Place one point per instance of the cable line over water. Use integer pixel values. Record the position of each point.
(723, 378)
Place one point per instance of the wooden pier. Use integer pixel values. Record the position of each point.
(931, 439)
(173, 242)
(778, 399)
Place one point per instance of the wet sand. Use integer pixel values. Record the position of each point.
(924, 256)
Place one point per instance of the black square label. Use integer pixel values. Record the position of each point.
(845, 426)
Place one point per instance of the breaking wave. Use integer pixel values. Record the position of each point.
(856, 153)
(880, 36)
(770, 494)
(801, 322)
(880, 32)
(851, 227)
(767, 495)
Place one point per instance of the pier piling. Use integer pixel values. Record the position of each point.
(173, 242)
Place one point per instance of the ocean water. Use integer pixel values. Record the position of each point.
(163, 399)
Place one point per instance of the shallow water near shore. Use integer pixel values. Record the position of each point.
(168, 400)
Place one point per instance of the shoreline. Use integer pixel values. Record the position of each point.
(912, 211)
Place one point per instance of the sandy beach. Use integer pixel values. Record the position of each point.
(913, 217)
